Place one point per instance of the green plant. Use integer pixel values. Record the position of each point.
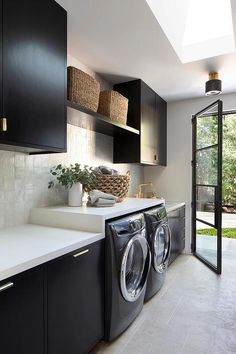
(229, 160)
(68, 176)
(226, 232)
(207, 134)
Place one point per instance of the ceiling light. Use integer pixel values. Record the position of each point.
(213, 85)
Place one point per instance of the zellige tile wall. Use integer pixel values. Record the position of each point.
(24, 178)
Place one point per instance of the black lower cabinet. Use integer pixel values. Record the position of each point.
(22, 313)
(176, 219)
(76, 301)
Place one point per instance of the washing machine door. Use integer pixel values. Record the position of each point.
(135, 267)
(161, 247)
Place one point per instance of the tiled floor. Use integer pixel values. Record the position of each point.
(194, 313)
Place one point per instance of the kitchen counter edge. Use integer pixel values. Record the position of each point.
(27, 246)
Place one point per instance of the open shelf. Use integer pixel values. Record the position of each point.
(98, 123)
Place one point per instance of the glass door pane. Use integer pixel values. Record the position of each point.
(206, 242)
(205, 204)
(207, 166)
(207, 180)
(207, 133)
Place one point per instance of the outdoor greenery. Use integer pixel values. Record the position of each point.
(229, 160)
(226, 232)
(67, 176)
(207, 133)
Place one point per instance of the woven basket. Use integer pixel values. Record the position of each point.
(113, 105)
(82, 89)
(117, 185)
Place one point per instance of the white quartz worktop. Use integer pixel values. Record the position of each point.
(171, 206)
(24, 247)
(88, 218)
(65, 229)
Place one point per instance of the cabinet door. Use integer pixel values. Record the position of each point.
(34, 74)
(146, 112)
(148, 125)
(161, 139)
(176, 221)
(21, 314)
(0, 64)
(127, 146)
(75, 301)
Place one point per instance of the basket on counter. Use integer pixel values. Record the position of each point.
(83, 89)
(113, 105)
(117, 185)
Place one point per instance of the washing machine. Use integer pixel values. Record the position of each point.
(159, 238)
(128, 261)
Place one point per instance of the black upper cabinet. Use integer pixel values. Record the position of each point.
(76, 301)
(161, 112)
(33, 77)
(22, 313)
(0, 64)
(147, 112)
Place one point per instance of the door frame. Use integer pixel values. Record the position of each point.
(218, 196)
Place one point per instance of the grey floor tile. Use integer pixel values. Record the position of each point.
(194, 313)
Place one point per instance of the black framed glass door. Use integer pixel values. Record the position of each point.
(207, 186)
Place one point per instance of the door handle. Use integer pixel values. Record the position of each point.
(216, 222)
(3, 124)
(80, 253)
(6, 286)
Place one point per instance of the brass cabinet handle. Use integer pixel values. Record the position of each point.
(80, 253)
(3, 124)
(6, 286)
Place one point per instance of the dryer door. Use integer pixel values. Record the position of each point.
(161, 247)
(135, 266)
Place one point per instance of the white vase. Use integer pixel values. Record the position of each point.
(75, 195)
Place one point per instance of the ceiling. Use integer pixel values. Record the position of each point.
(122, 40)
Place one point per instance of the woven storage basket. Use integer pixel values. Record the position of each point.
(117, 185)
(82, 89)
(113, 105)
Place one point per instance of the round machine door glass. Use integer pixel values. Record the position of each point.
(161, 247)
(135, 267)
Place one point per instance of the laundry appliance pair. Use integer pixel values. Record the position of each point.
(137, 254)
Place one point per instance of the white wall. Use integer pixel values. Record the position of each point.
(174, 181)
(24, 178)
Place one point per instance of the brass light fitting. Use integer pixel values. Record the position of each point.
(3, 124)
(213, 85)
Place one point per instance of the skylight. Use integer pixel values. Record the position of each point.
(197, 29)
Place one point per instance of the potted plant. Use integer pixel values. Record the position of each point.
(74, 178)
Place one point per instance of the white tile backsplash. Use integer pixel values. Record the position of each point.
(24, 178)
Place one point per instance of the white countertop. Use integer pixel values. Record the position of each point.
(170, 206)
(27, 246)
(65, 230)
(90, 219)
